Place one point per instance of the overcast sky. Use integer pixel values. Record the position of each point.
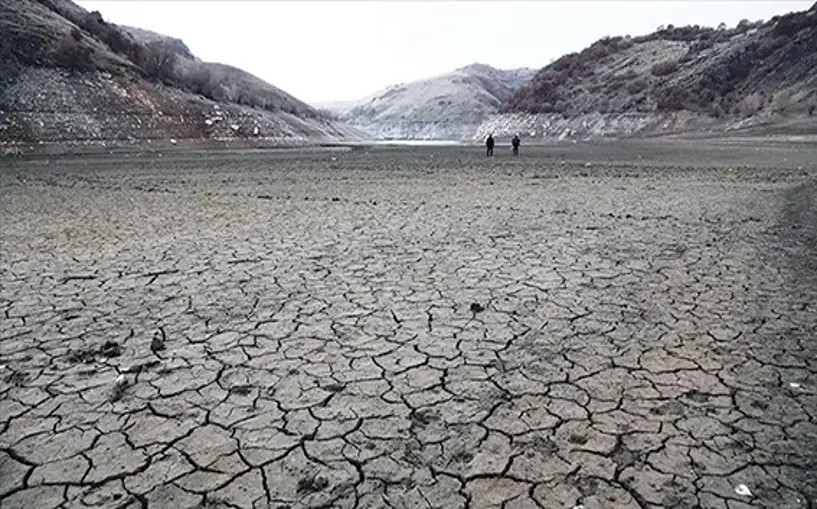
(325, 51)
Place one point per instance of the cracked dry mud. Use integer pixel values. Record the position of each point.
(604, 326)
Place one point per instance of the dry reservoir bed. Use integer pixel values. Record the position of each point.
(596, 326)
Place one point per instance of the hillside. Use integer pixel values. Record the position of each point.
(760, 75)
(176, 45)
(449, 106)
(67, 75)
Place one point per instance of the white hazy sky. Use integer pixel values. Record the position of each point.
(325, 51)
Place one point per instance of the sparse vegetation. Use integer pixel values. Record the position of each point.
(706, 70)
(199, 80)
(111, 35)
(664, 68)
(154, 57)
(635, 87)
(547, 86)
(158, 61)
(789, 24)
(750, 105)
(328, 114)
(6, 52)
(71, 54)
(672, 99)
(110, 68)
(700, 46)
(722, 68)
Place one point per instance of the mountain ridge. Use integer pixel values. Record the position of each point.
(691, 79)
(68, 75)
(759, 74)
(446, 106)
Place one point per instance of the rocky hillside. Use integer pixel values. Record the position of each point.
(147, 37)
(678, 79)
(450, 106)
(67, 75)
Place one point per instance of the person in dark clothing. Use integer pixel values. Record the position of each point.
(489, 143)
(515, 142)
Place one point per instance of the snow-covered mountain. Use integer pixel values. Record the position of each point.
(446, 107)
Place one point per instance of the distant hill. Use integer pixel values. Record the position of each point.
(68, 75)
(760, 75)
(448, 106)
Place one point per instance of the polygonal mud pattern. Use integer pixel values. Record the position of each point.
(630, 325)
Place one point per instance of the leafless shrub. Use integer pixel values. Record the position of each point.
(672, 99)
(213, 83)
(699, 46)
(634, 87)
(72, 54)
(117, 40)
(6, 52)
(199, 80)
(750, 104)
(791, 23)
(664, 68)
(328, 114)
(157, 60)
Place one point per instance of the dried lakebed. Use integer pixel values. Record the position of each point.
(597, 326)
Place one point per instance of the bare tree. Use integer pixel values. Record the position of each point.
(158, 61)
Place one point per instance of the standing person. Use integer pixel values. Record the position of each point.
(489, 143)
(515, 142)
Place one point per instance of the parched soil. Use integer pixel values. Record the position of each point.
(611, 325)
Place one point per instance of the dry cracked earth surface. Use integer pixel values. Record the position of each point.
(624, 325)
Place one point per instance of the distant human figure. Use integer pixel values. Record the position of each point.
(515, 142)
(489, 144)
